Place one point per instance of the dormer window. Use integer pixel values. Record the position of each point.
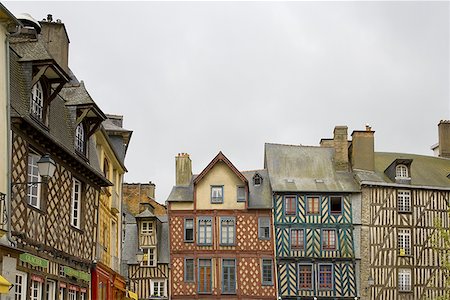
(37, 101)
(80, 139)
(257, 180)
(401, 171)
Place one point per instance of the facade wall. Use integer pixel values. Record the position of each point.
(136, 193)
(383, 223)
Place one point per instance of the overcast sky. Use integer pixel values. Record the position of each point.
(200, 77)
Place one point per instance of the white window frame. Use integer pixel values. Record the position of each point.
(80, 138)
(404, 200)
(36, 286)
(33, 189)
(37, 101)
(404, 240)
(148, 228)
(401, 171)
(149, 252)
(62, 292)
(404, 280)
(217, 194)
(20, 286)
(72, 295)
(158, 283)
(50, 292)
(205, 231)
(227, 231)
(263, 223)
(75, 211)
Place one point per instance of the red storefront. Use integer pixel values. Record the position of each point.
(107, 284)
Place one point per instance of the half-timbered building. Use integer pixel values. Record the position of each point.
(221, 239)
(314, 198)
(53, 221)
(404, 198)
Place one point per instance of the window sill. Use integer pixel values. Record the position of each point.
(264, 238)
(38, 209)
(297, 249)
(189, 242)
(81, 155)
(76, 229)
(404, 212)
(227, 245)
(39, 122)
(204, 245)
(267, 284)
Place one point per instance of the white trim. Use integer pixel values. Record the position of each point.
(20, 286)
(423, 187)
(75, 209)
(158, 282)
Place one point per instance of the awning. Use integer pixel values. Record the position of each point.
(4, 285)
(132, 295)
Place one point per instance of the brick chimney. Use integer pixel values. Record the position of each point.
(444, 138)
(362, 149)
(340, 142)
(56, 40)
(183, 169)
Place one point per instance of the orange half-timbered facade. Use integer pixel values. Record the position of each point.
(221, 236)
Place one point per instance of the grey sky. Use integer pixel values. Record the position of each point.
(200, 77)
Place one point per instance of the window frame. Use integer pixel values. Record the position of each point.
(322, 236)
(193, 230)
(319, 273)
(220, 199)
(341, 202)
(401, 171)
(404, 201)
(39, 288)
(38, 104)
(160, 282)
(319, 200)
(303, 239)
(76, 221)
(404, 241)
(185, 277)
(80, 139)
(230, 292)
(264, 282)
(34, 176)
(211, 276)
(288, 211)
(147, 252)
(50, 289)
(23, 286)
(200, 242)
(259, 178)
(147, 231)
(403, 288)
(237, 194)
(227, 242)
(305, 288)
(260, 221)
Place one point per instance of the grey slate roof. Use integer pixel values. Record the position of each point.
(259, 196)
(145, 214)
(30, 49)
(427, 171)
(76, 94)
(163, 242)
(181, 193)
(303, 168)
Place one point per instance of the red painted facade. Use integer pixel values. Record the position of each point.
(107, 284)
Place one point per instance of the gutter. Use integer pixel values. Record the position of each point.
(408, 186)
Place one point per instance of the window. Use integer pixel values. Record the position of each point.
(149, 259)
(325, 277)
(204, 231)
(290, 205)
(37, 101)
(217, 194)
(267, 276)
(79, 138)
(34, 190)
(257, 180)
(313, 205)
(62, 292)
(401, 171)
(82, 296)
(204, 276)
(227, 230)
(297, 239)
(106, 168)
(189, 270)
(336, 204)
(36, 290)
(329, 239)
(404, 201)
(147, 227)
(404, 280)
(228, 276)
(20, 286)
(241, 193)
(305, 277)
(264, 228)
(51, 289)
(72, 294)
(76, 203)
(158, 289)
(404, 241)
(188, 230)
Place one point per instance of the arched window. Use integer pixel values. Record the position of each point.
(37, 101)
(401, 171)
(80, 138)
(257, 179)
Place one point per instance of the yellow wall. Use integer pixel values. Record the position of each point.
(181, 205)
(220, 174)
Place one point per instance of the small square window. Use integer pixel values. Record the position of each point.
(241, 194)
(217, 194)
(290, 205)
(297, 239)
(189, 230)
(313, 204)
(336, 204)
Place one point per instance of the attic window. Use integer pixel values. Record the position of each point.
(401, 171)
(80, 138)
(257, 180)
(37, 101)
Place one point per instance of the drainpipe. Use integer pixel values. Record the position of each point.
(8, 137)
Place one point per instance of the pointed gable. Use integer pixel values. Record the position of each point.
(220, 158)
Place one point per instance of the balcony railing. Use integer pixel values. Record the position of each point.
(115, 202)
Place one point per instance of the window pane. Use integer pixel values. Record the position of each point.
(336, 205)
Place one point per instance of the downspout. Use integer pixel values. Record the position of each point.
(8, 136)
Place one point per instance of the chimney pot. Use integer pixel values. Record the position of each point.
(49, 18)
(444, 138)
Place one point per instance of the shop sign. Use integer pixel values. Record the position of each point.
(77, 274)
(34, 260)
(62, 284)
(83, 290)
(37, 278)
(74, 288)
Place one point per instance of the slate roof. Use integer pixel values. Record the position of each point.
(30, 49)
(259, 196)
(145, 214)
(76, 94)
(182, 193)
(427, 171)
(304, 168)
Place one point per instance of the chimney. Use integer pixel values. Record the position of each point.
(444, 138)
(362, 149)
(183, 169)
(340, 143)
(151, 190)
(145, 205)
(56, 40)
(116, 120)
